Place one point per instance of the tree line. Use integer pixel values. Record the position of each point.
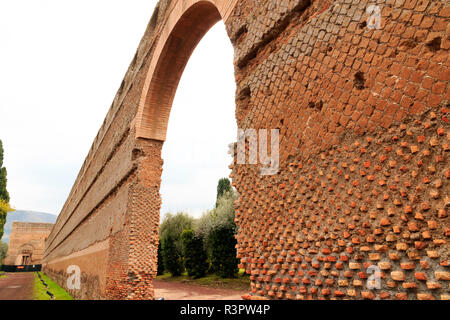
(201, 246)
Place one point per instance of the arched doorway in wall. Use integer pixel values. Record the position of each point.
(201, 125)
(25, 255)
(186, 25)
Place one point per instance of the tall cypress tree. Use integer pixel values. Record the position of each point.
(223, 186)
(4, 195)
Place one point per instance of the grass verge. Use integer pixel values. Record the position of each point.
(40, 291)
(242, 282)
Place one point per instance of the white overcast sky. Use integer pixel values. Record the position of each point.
(61, 63)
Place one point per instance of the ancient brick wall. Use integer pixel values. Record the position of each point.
(27, 240)
(364, 142)
(364, 134)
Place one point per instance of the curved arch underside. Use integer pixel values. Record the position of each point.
(170, 59)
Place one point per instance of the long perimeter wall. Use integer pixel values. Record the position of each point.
(364, 143)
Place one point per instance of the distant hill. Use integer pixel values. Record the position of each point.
(25, 216)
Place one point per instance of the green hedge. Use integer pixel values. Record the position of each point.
(160, 260)
(171, 256)
(223, 251)
(194, 255)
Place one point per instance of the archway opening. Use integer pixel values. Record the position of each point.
(26, 258)
(203, 115)
(165, 74)
(202, 124)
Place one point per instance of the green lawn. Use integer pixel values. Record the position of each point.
(242, 282)
(40, 291)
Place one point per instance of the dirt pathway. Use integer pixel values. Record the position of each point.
(180, 291)
(17, 286)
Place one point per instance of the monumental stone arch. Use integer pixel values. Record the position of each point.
(360, 98)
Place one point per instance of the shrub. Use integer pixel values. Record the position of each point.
(160, 260)
(194, 255)
(216, 229)
(3, 251)
(173, 226)
(222, 216)
(4, 209)
(223, 251)
(171, 257)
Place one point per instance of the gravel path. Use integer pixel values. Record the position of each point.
(17, 286)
